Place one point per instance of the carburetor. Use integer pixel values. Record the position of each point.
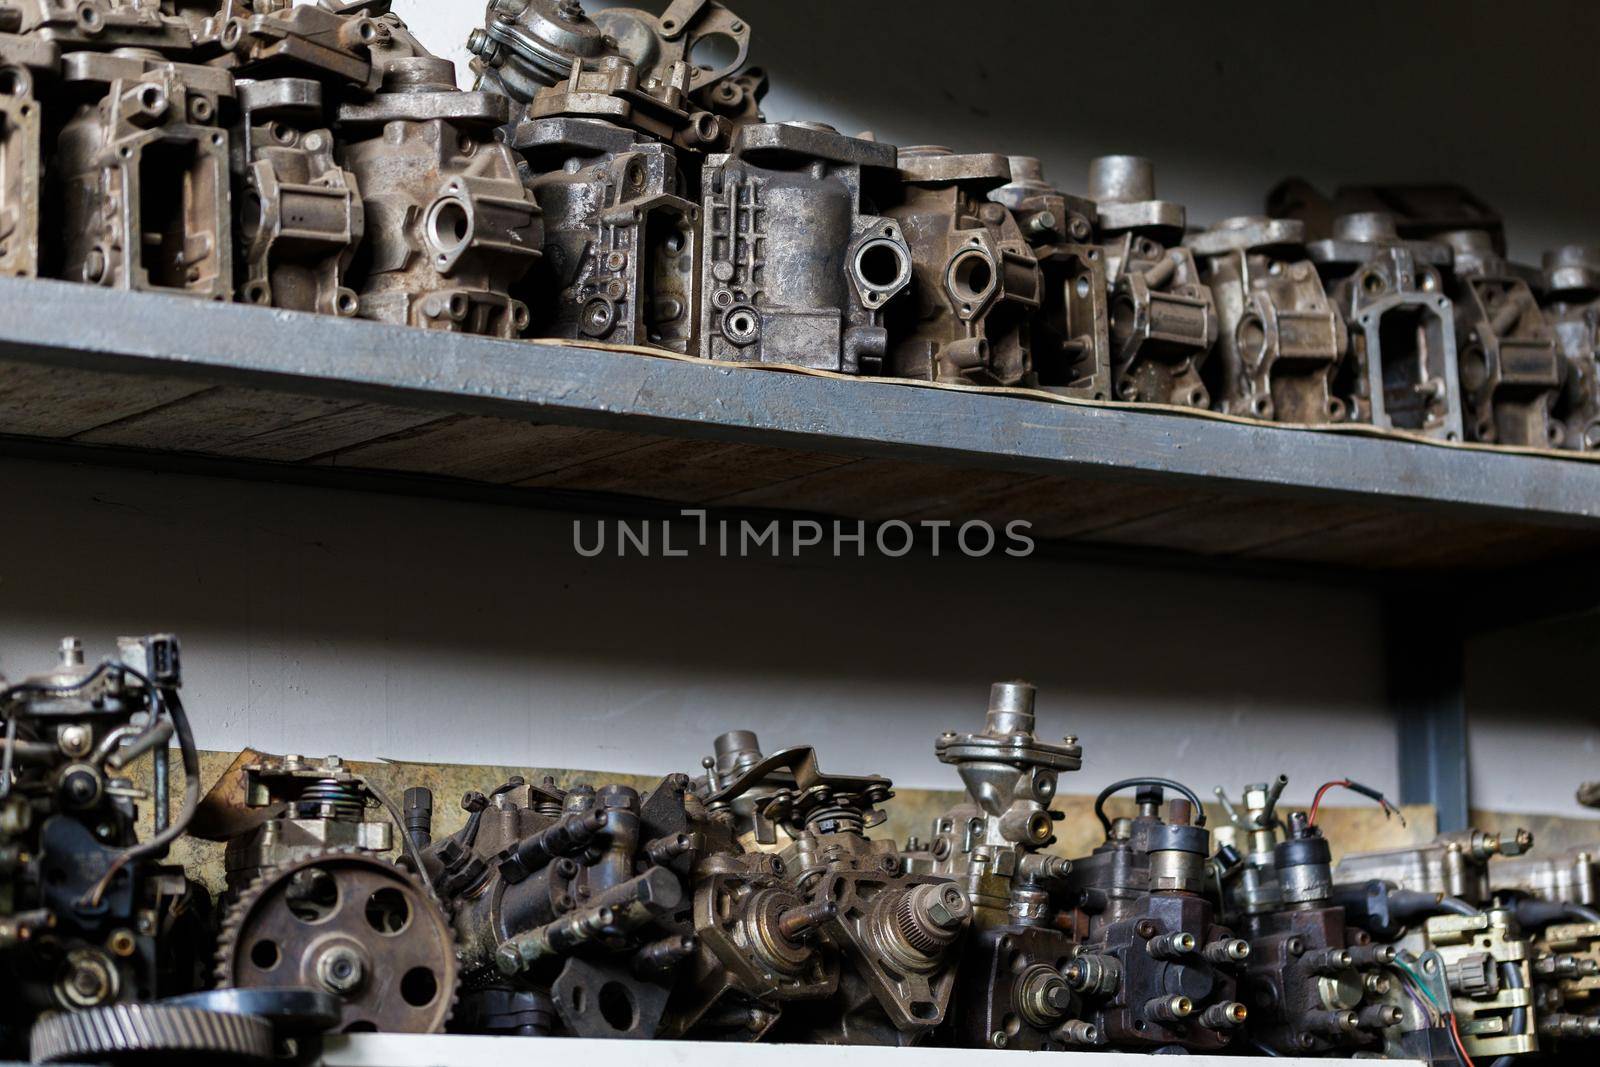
(622, 237)
(570, 904)
(1070, 338)
(1469, 946)
(1557, 899)
(895, 932)
(450, 227)
(1163, 318)
(794, 267)
(1401, 373)
(89, 917)
(1571, 299)
(1313, 983)
(312, 901)
(144, 164)
(1010, 991)
(1511, 370)
(1154, 967)
(975, 282)
(24, 61)
(1280, 342)
(300, 213)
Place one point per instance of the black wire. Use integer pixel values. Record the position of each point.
(1189, 794)
(161, 700)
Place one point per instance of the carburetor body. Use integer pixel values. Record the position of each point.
(1512, 372)
(975, 282)
(24, 62)
(1436, 904)
(1571, 299)
(894, 932)
(621, 234)
(89, 917)
(1401, 373)
(571, 906)
(145, 164)
(795, 269)
(300, 213)
(1070, 338)
(1163, 317)
(1154, 966)
(1279, 342)
(1010, 992)
(450, 227)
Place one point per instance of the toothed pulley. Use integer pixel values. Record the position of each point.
(354, 925)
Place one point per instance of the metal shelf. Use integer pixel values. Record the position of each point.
(415, 1050)
(173, 380)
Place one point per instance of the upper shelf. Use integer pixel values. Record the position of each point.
(168, 375)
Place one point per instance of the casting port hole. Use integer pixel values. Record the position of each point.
(880, 265)
(388, 912)
(418, 987)
(616, 1006)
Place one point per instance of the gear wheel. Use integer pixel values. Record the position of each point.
(354, 925)
(150, 1033)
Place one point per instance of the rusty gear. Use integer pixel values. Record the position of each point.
(354, 925)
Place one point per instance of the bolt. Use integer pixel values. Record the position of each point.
(1145, 928)
(340, 969)
(75, 740)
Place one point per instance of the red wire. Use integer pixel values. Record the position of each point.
(1311, 818)
(1456, 1033)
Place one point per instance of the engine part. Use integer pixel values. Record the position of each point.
(571, 905)
(757, 951)
(1554, 898)
(102, 25)
(1453, 865)
(1010, 991)
(88, 916)
(144, 168)
(274, 39)
(1279, 341)
(975, 283)
(300, 215)
(1421, 212)
(1511, 370)
(1401, 373)
(450, 228)
(274, 810)
(353, 925)
(621, 239)
(145, 1033)
(1154, 968)
(795, 269)
(1314, 984)
(291, 1011)
(897, 933)
(1250, 885)
(1163, 318)
(1070, 333)
(1571, 300)
(1471, 949)
(24, 61)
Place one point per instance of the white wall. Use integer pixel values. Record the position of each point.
(418, 629)
(1227, 100)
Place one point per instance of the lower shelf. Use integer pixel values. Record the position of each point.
(443, 1050)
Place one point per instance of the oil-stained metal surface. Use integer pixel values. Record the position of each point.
(1402, 367)
(1163, 318)
(1570, 294)
(1280, 342)
(976, 284)
(795, 269)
